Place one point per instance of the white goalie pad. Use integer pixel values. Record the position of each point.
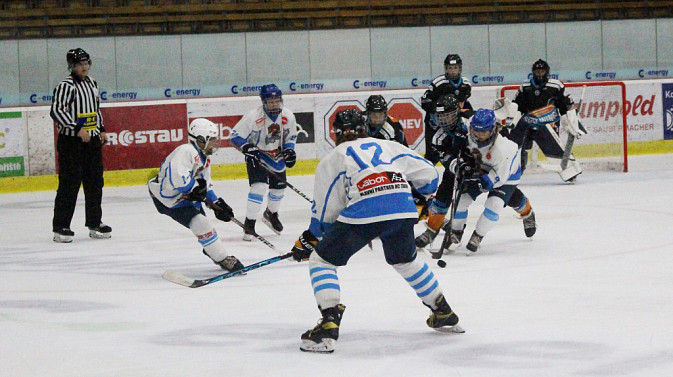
(571, 171)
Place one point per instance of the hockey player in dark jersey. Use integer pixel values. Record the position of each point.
(379, 124)
(450, 143)
(451, 82)
(537, 110)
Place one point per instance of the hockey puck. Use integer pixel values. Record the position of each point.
(441, 263)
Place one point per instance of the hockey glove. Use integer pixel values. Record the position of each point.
(290, 157)
(199, 191)
(251, 153)
(304, 246)
(460, 167)
(222, 210)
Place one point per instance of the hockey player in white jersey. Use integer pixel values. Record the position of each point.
(497, 173)
(362, 191)
(267, 136)
(184, 182)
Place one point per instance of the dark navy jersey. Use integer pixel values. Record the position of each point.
(531, 97)
(440, 86)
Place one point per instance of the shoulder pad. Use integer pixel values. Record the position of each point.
(554, 83)
(466, 81)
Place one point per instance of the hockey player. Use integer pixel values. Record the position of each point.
(184, 182)
(451, 144)
(267, 137)
(497, 172)
(379, 124)
(543, 102)
(362, 192)
(451, 82)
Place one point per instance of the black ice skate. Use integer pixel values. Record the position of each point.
(322, 338)
(475, 240)
(426, 238)
(249, 229)
(529, 225)
(271, 220)
(230, 263)
(63, 235)
(443, 318)
(101, 231)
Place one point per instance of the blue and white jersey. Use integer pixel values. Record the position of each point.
(271, 136)
(178, 174)
(501, 161)
(367, 180)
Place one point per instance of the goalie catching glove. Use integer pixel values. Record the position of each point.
(199, 191)
(573, 124)
(304, 246)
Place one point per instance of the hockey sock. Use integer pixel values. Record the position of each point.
(437, 213)
(325, 281)
(490, 216)
(255, 199)
(460, 217)
(421, 278)
(524, 209)
(275, 196)
(208, 238)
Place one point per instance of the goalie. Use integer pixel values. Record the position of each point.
(537, 110)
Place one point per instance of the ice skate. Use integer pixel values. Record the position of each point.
(529, 225)
(322, 338)
(426, 238)
(230, 263)
(443, 318)
(474, 242)
(271, 220)
(101, 231)
(63, 235)
(249, 229)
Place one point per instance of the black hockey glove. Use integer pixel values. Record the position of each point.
(222, 210)
(472, 182)
(304, 246)
(199, 191)
(290, 157)
(251, 153)
(460, 167)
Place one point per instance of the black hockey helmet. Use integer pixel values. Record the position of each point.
(451, 60)
(447, 110)
(348, 125)
(376, 104)
(76, 55)
(540, 79)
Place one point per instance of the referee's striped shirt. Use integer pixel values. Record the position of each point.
(73, 97)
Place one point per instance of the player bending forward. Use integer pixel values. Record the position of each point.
(497, 173)
(184, 182)
(362, 192)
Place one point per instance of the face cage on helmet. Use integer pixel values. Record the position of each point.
(454, 76)
(448, 119)
(383, 119)
(486, 142)
(272, 112)
(208, 146)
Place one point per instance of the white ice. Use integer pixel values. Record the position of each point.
(589, 295)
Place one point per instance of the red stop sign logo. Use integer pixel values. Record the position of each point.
(330, 137)
(410, 115)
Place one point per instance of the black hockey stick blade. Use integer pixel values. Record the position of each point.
(178, 278)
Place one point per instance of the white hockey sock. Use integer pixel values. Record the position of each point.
(325, 281)
(421, 278)
(490, 216)
(208, 238)
(460, 217)
(255, 199)
(275, 196)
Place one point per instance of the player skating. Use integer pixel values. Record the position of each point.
(184, 182)
(362, 192)
(267, 136)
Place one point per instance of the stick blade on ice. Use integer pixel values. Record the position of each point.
(178, 278)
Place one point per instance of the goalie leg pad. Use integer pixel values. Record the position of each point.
(571, 171)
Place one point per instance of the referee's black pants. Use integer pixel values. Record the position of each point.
(79, 163)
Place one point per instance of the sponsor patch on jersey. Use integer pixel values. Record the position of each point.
(383, 181)
(283, 120)
(260, 121)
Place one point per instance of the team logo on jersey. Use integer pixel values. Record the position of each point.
(273, 129)
(456, 92)
(537, 92)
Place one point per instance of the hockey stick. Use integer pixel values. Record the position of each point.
(571, 137)
(234, 220)
(277, 175)
(178, 278)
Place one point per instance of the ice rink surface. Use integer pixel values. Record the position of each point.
(589, 295)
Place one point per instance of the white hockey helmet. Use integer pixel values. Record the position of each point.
(205, 135)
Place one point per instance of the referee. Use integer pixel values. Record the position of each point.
(81, 134)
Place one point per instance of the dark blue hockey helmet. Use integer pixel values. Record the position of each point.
(482, 127)
(272, 99)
